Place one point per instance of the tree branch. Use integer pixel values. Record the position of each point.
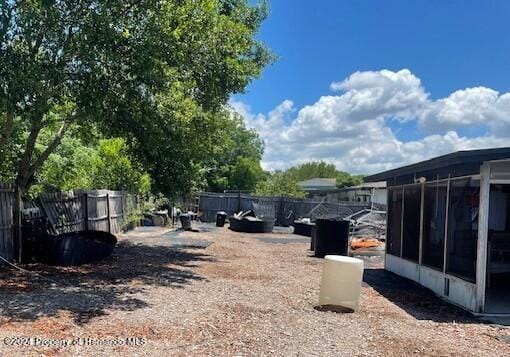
(24, 163)
(7, 130)
(41, 159)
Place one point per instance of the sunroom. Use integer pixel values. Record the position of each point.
(448, 227)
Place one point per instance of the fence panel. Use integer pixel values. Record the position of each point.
(116, 200)
(6, 222)
(229, 202)
(98, 219)
(65, 211)
(97, 210)
(281, 208)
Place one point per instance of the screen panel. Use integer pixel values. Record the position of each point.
(434, 219)
(411, 223)
(463, 228)
(394, 229)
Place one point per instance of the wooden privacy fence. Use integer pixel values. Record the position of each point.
(276, 207)
(6, 222)
(97, 210)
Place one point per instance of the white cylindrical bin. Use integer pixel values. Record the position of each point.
(341, 282)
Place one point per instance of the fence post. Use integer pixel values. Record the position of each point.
(108, 212)
(18, 229)
(86, 210)
(122, 202)
(281, 212)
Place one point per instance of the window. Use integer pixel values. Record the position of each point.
(434, 218)
(463, 228)
(394, 230)
(411, 222)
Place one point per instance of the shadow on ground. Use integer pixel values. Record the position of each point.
(416, 300)
(90, 290)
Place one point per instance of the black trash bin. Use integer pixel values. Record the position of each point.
(331, 237)
(221, 217)
(185, 221)
(312, 239)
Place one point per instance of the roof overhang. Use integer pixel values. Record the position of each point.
(457, 164)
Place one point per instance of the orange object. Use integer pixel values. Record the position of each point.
(365, 243)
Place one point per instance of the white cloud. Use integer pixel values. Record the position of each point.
(352, 129)
(463, 107)
(399, 94)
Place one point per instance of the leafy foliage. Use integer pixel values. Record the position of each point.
(106, 164)
(245, 174)
(156, 73)
(71, 166)
(321, 169)
(280, 184)
(116, 170)
(236, 163)
(344, 179)
(312, 169)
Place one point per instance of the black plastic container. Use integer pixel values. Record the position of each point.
(332, 237)
(75, 248)
(221, 217)
(303, 229)
(185, 221)
(35, 231)
(253, 225)
(312, 239)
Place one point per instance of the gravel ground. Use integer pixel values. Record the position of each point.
(238, 296)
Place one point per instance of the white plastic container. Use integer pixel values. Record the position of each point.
(341, 282)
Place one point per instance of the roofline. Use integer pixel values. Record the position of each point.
(454, 158)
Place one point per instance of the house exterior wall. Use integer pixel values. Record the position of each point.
(460, 292)
(380, 196)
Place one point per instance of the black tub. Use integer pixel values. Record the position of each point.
(303, 229)
(75, 248)
(251, 225)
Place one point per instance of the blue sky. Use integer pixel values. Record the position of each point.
(447, 45)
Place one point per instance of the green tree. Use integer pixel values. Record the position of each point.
(312, 169)
(104, 164)
(321, 169)
(116, 170)
(280, 184)
(344, 179)
(71, 166)
(154, 72)
(245, 174)
(236, 162)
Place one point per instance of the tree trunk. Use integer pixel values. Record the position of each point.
(27, 169)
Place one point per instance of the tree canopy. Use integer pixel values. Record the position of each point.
(236, 163)
(344, 179)
(105, 163)
(312, 169)
(321, 169)
(280, 184)
(156, 73)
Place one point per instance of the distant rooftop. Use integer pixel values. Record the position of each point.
(318, 184)
(380, 184)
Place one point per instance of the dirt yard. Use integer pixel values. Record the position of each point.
(217, 292)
